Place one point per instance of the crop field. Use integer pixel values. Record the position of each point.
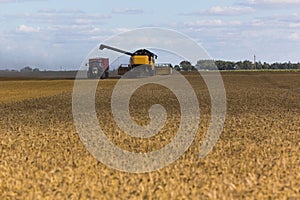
(256, 157)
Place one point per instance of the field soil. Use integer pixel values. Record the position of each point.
(256, 157)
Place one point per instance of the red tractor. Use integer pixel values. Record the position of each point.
(98, 68)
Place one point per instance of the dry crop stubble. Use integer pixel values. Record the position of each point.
(257, 155)
(17, 90)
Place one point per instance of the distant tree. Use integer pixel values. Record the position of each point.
(248, 64)
(36, 69)
(177, 68)
(259, 65)
(266, 66)
(296, 66)
(275, 66)
(186, 66)
(26, 69)
(228, 65)
(240, 65)
(206, 64)
(290, 65)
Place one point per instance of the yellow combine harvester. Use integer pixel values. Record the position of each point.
(142, 57)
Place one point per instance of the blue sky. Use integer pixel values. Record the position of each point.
(51, 34)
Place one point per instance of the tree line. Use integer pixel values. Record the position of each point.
(214, 65)
(230, 65)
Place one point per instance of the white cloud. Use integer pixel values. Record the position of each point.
(128, 11)
(294, 36)
(271, 3)
(212, 23)
(223, 10)
(17, 1)
(294, 25)
(62, 11)
(277, 21)
(27, 29)
(60, 17)
(216, 22)
(229, 10)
